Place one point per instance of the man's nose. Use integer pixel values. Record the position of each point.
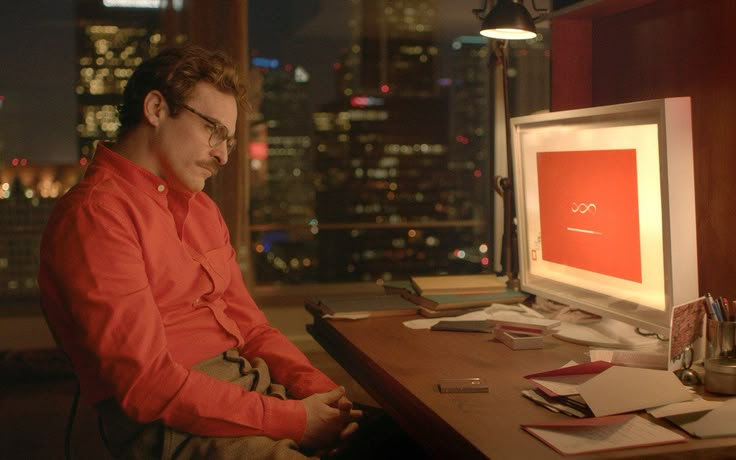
(220, 153)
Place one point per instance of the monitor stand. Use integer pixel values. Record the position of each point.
(604, 333)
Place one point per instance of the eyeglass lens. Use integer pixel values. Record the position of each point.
(219, 135)
(218, 131)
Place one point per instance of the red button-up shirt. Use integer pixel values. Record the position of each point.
(140, 282)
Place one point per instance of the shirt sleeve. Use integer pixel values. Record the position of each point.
(108, 321)
(287, 364)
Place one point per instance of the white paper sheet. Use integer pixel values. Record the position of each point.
(718, 422)
(495, 311)
(579, 436)
(687, 407)
(626, 389)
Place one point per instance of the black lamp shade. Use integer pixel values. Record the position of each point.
(508, 20)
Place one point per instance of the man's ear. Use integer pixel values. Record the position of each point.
(155, 107)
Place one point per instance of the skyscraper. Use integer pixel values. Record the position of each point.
(397, 46)
(394, 195)
(282, 197)
(470, 130)
(111, 42)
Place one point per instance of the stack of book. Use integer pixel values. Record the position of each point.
(360, 307)
(448, 295)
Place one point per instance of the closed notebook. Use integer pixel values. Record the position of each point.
(457, 301)
(458, 284)
(367, 306)
(452, 304)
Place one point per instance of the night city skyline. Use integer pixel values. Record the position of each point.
(38, 94)
(369, 150)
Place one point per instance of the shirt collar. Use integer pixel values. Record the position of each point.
(149, 183)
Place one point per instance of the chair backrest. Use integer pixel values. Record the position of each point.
(75, 401)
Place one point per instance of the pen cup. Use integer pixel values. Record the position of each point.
(720, 338)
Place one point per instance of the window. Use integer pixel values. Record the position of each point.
(370, 141)
(368, 146)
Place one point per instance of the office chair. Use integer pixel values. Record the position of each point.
(75, 400)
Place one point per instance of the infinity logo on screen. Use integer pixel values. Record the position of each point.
(583, 208)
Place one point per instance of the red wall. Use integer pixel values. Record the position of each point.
(658, 49)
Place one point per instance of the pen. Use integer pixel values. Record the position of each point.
(715, 309)
(722, 315)
(725, 309)
(709, 310)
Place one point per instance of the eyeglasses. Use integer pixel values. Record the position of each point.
(218, 131)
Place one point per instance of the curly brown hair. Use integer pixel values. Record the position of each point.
(174, 72)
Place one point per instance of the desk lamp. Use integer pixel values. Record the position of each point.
(507, 20)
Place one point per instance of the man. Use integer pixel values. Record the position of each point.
(140, 285)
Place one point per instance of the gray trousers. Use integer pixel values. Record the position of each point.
(127, 439)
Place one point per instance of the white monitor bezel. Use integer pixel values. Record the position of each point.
(675, 159)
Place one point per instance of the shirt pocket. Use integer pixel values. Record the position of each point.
(217, 263)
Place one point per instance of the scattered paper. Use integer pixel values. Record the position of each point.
(565, 380)
(625, 389)
(634, 358)
(587, 435)
(495, 311)
(687, 407)
(429, 322)
(712, 424)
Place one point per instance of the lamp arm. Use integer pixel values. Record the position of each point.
(507, 184)
(540, 10)
(480, 12)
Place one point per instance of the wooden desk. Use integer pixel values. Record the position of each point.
(400, 367)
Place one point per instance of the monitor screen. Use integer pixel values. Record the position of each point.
(605, 202)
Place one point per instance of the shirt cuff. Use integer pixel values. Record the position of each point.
(307, 386)
(284, 419)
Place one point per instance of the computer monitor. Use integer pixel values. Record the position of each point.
(605, 201)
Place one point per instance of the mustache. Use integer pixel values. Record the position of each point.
(212, 165)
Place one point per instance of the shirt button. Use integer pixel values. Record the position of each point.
(160, 188)
(197, 300)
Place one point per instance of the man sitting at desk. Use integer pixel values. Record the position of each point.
(141, 286)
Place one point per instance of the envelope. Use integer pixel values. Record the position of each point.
(715, 423)
(681, 408)
(622, 389)
(565, 380)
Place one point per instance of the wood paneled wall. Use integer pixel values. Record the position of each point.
(667, 48)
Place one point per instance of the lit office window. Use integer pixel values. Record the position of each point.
(395, 178)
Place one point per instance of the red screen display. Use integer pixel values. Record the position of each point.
(589, 211)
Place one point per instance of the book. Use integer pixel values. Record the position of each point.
(458, 284)
(460, 301)
(541, 326)
(361, 307)
(432, 313)
(448, 304)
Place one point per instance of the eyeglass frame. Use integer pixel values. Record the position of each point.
(216, 128)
